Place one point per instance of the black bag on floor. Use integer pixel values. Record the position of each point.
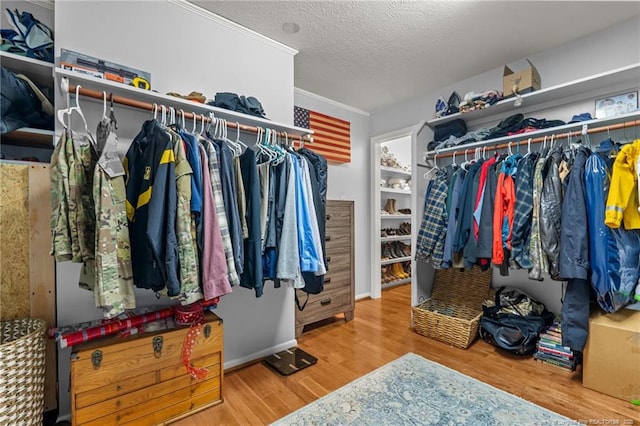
(514, 321)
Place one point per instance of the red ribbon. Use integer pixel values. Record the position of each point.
(192, 315)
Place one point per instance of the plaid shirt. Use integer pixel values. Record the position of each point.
(214, 170)
(521, 236)
(433, 229)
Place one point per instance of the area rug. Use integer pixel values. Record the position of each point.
(415, 391)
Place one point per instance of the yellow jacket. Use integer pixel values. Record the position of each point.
(622, 203)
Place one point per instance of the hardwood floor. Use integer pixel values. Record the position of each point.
(380, 333)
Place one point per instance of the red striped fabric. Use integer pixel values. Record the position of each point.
(332, 136)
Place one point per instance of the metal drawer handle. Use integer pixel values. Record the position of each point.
(325, 302)
(328, 259)
(157, 346)
(327, 280)
(327, 238)
(328, 217)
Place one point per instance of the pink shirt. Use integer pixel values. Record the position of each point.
(215, 281)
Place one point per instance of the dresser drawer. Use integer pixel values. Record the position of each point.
(337, 278)
(338, 259)
(338, 216)
(338, 238)
(324, 305)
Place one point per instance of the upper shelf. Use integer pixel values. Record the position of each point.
(394, 171)
(630, 73)
(29, 137)
(39, 72)
(178, 103)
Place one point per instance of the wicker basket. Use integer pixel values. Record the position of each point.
(22, 365)
(452, 313)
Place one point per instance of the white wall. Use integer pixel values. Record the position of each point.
(606, 50)
(184, 51)
(350, 181)
(602, 51)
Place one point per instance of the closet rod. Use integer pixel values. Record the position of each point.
(187, 115)
(523, 139)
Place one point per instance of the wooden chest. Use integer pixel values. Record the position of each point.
(141, 380)
(338, 295)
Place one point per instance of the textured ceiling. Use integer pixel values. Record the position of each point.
(371, 54)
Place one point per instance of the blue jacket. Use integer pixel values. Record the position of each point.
(149, 164)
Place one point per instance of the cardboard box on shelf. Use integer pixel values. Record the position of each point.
(522, 82)
(612, 355)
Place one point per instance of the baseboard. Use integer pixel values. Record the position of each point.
(256, 356)
(363, 296)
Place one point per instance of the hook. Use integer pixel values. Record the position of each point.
(509, 148)
(552, 140)
(466, 160)
(154, 110)
(183, 121)
(454, 158)
(529, 146)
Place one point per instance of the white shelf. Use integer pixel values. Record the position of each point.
(178, 103)
(394, 171)
(395, 260)
(602, 122)
(629, 74)
(396, 282)
(395, 216)
(38, 71)
(29, 137)
(395, 191)
(395, 238)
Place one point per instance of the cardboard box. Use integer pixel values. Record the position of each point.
(525, 81)
(612, 355)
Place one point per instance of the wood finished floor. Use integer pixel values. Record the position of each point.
(380, 333)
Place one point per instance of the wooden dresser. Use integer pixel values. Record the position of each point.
(141, 380)
(338, 295)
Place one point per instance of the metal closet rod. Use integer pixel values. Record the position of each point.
(187, 115)
(523, 139)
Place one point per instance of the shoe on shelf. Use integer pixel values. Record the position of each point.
(404, 211)
(390, 206)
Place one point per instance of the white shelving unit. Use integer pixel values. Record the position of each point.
(27, 138)
(151, 97)
(580, 93)
(404, 145)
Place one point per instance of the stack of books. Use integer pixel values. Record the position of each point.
(550, 350)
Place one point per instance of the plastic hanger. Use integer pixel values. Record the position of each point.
(453, 161)
(435, 165)
(69, 111)
(238, 141)
(104, 106)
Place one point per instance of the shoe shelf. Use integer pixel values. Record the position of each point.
(395, 191)
(396, 282)
(394, 171)
(395, 238)
(395, 216)
(395, 260)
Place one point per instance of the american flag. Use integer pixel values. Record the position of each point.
(331, 136)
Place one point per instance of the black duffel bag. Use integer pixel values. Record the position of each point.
(514, 321)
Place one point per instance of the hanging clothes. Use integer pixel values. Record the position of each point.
(550, 211)
(521, 237)
(251, 276)
(453, 199)
(288, 264)
(215, 281)
(149, 164)
(229, 193)
(112, 271)
(623, 200)
(60, 226)
(218, 198)
(431, 236)
(185, 225)
(539, 261)
(603, 247)
(503, 212)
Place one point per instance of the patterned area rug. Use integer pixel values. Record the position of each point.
(414, 391)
